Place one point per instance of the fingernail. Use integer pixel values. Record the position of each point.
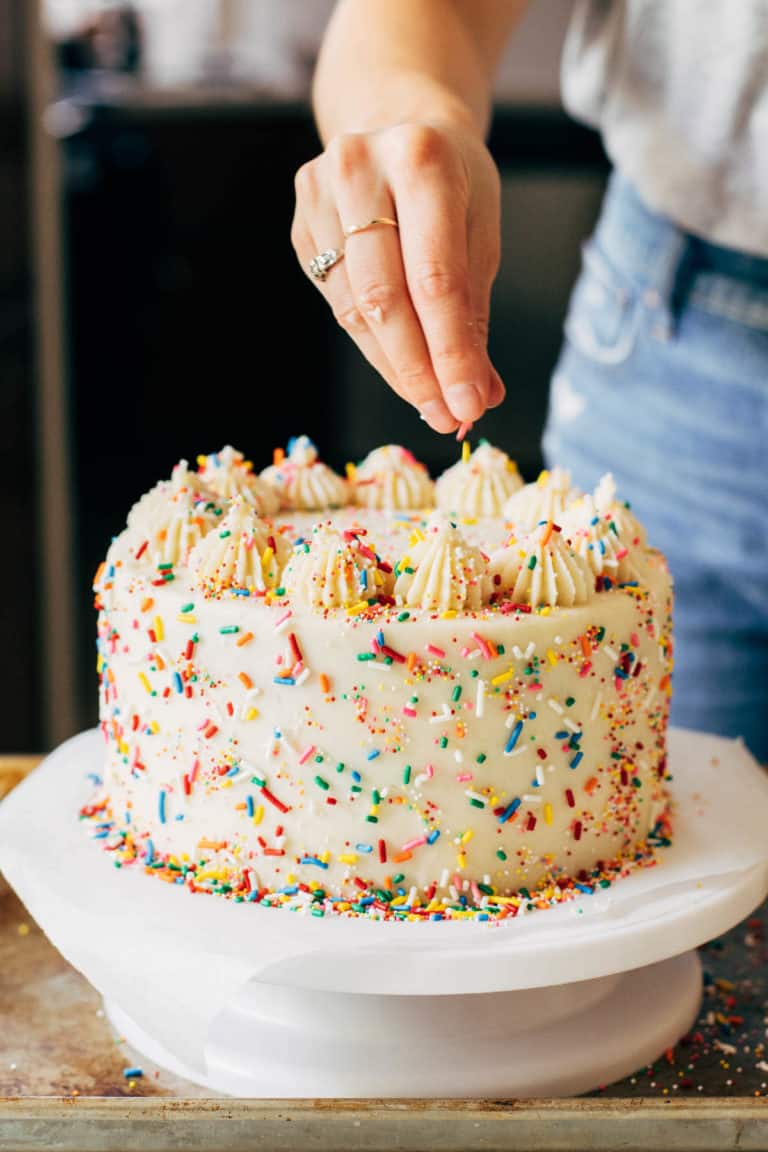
(464, 400)
(436, 414)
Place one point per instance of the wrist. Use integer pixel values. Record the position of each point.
(402, 99)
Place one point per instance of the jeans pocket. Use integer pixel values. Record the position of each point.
(604, 311)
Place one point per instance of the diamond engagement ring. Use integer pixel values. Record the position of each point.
(320, 265)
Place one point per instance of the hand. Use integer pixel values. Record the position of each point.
(415, 299)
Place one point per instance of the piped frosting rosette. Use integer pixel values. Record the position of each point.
(391, 477)
(546, 499)
(332, 568)
(229, 474)
(597, 539)
(303, 482)
(480, 484)
(182, 479)
(443, 573)
(627, 524)
(541, 570)
(242, 554)
(175, 528)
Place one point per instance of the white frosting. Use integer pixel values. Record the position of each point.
(169, 520)
(479, 485)
(629, 527)
(229, 474)
(302, 481)
(596, 538)
(456, 738)
(391, 477)
(342, 710)
(330, 569)
(144, 512)
(546, 499)
(542, 570)
(243, 553)
(443, 573)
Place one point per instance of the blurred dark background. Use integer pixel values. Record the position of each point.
(151, 306)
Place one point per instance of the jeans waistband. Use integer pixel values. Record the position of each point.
(654, 253)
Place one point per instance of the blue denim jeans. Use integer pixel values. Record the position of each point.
(663, 380)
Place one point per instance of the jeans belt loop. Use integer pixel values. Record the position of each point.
(669, 282)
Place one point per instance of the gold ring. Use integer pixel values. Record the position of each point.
(371, 224)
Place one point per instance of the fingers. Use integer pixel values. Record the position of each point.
(483, 265)
(309, 239)
(432, 203)
(415, 299)
(377, 277)
(316, 225)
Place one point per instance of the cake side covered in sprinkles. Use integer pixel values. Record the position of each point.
(394, 723)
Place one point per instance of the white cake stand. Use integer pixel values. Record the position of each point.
(557, 1041)
(258, 1002)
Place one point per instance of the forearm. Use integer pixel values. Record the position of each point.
(387, 62)
(402, 99)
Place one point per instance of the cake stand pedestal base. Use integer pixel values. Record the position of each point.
(560, 1041)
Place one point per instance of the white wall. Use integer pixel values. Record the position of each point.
(271, 44)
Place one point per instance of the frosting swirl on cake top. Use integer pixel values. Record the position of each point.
(175, 526)
(478, 484)
(302, 481)
(145, 511)
(443, 573)
(332, 568)
(596, 538)
(541, 570)
(243, 554)
(229, 474)
(546, 499)
(391, 477)
(627, 524)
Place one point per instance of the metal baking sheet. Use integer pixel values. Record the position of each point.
(376, 1126)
